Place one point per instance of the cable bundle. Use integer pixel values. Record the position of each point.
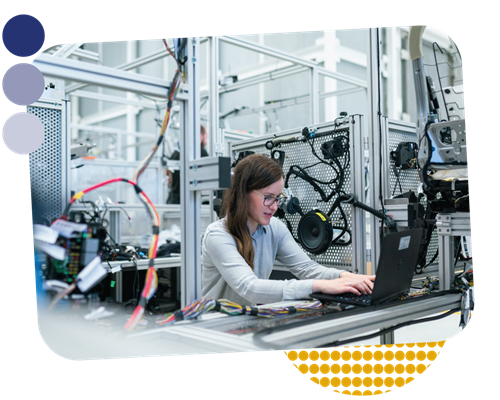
(149, 290)
(173, 89)
(192, 310)
(199, 307)
(276, 311)
(151, 283)
(231, 308)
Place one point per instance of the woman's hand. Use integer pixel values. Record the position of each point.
(347, 283)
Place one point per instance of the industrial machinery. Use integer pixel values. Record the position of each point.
(442, 151)
(442, 154)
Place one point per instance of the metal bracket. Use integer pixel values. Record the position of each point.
(80, 150)
(209, 173)
(448, 226)
(456, 150)
(456, 224)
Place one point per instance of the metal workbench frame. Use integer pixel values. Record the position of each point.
(314, 333)
(335, 329)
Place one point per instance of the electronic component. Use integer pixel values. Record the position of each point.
(309, 132)
(405, 155)
(278, 156)
(315, 232)
(292, 206)
(333, 148)
(71, 260)
(81, 244)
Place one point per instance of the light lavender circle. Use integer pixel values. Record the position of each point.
(23, 133)
(23, 84)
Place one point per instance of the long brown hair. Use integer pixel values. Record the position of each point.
(254, 172)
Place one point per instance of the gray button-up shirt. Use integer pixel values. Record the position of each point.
(226, 275)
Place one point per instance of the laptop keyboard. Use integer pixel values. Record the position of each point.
(364, 298)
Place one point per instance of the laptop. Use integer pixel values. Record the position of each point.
(397, 262)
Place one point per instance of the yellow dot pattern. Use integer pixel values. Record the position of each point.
(366, 370)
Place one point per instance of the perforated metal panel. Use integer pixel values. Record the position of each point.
(408, 178)
(301, 154)
(48, 164)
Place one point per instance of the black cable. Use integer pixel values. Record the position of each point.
(136, 288)
(387, 330)
(349, 199)
(337, 181)
(439, 77)
(339, 173)
(457, 249)
(345, 229)
(300, 173)
(430, 262)
(422, 256)
(113, 240)
(397, 173)
(95, 209)
(371, 210)
(379, 116)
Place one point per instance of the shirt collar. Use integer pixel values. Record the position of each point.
(260, 230)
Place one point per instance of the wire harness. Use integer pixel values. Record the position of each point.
(202, 306)
(151, 282)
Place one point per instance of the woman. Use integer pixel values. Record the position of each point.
(239, 250)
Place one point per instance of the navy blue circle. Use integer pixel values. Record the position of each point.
(23, 35)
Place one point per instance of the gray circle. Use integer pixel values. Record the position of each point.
(23, 133)
(23, 84)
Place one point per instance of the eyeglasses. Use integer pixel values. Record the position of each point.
(270, 200)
